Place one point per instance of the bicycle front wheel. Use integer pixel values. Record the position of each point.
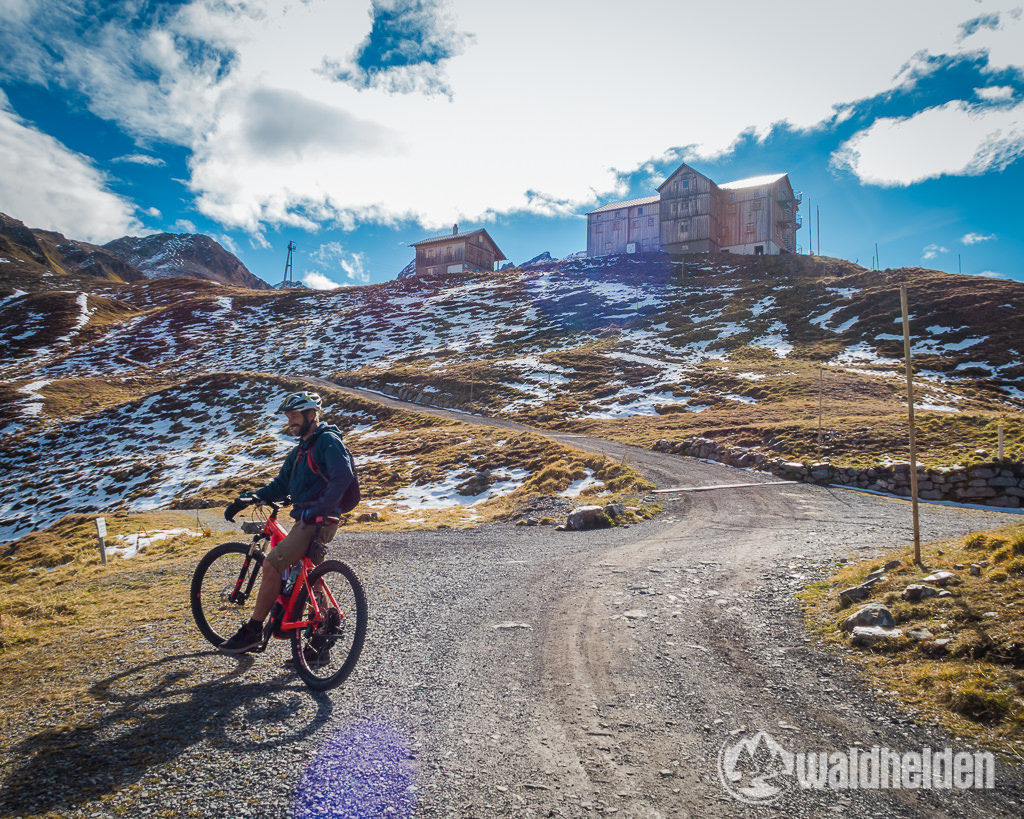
(325, 652)
(223, 582)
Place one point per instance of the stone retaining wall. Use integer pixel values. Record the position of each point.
(998, 483)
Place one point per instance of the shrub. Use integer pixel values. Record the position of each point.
(976, 541)
(1018, 545)
(998, 577)
(1003, 554)
(1016, 566)
(978, 704)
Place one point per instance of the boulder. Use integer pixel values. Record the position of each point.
(916, 592)
(873, 614)
(975, 570)
(587, 517)
(867, 636)
(920, 634)
(475, 483)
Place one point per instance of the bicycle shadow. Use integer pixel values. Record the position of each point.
(160, 710)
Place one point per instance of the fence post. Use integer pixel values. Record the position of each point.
(999, 441)
(910, 419)
(101, 531)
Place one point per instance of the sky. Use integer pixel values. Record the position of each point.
(355, 128)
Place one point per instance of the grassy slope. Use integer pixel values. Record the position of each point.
(976, 687)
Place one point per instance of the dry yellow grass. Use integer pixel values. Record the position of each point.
(976, 687)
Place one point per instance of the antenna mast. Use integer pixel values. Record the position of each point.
(289, 275)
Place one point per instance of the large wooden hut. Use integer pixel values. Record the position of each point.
(456, 252)
(693, 214)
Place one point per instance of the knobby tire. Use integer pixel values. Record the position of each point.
(212, 582)
(348, 591)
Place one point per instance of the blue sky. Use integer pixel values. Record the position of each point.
(355, 128)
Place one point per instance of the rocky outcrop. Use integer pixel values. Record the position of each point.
(997, 483)
(164, 255)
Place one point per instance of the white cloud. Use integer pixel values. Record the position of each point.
(226, 241)
(992, 274)
(995, 93)
(933, 250)
(185, 226)
(140, 159)
(154, 212)
(46, 185)
(334, 255)
(975, 238)
(533, 122)
(318, 281)
(902, 151)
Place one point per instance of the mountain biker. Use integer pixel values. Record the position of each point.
(316, 474)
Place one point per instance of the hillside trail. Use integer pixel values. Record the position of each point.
(628, 666)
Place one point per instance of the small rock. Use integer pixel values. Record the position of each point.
(945, 593)
(940, 578)
(634, 614)
(920, 634)
(867, 636)
(916, 591)
(368, 517)
(958, 566)
(893, 564)
(873, 614)
(855, 594)
(990, 614)
(613, 510)
(975, 570)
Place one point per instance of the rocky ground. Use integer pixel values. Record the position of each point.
(517, 671)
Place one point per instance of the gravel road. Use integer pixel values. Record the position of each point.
(521, 671)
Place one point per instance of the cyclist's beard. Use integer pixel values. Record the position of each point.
(307, 425)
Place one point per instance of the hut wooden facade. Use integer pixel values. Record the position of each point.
(693, 214)
(624, 227)
(456, 252)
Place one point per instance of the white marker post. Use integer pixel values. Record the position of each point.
(101, 530)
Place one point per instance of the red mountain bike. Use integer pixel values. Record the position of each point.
(321, 609)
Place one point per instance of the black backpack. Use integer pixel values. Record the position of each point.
(350, 500)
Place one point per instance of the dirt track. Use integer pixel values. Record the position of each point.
(520, 671)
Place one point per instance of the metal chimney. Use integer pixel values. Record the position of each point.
(455, 229)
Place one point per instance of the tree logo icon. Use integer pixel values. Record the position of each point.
(750, 768)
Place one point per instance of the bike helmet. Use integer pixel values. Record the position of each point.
(299, 401)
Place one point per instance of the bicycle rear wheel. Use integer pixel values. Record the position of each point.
(325, 652)
(223, 582)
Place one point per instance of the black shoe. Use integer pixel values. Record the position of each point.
(248, 637)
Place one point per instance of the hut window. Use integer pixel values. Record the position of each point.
(686, 183)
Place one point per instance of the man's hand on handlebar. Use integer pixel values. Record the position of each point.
(237, 505)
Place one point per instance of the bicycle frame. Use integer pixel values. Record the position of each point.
(273, 533)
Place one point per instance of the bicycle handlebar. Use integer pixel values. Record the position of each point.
(240, 503)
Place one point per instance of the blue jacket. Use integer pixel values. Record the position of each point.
(315, 473)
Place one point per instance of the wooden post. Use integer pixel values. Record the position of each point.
(910, 418)
(101, 531)
(878, 263)
(821, 377)
(817, 219)
(999, 441)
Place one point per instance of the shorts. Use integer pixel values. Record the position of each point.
(296, 544)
